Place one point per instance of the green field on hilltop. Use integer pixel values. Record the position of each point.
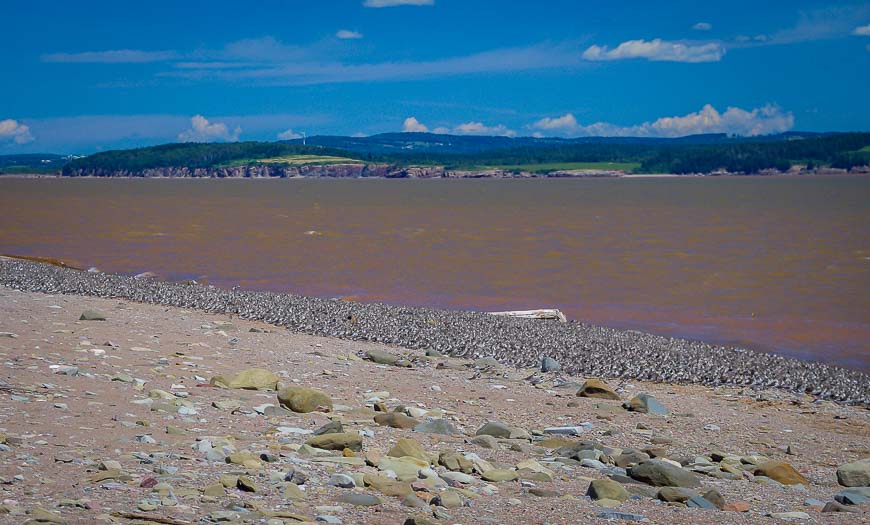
(292, 160)
(567, 166)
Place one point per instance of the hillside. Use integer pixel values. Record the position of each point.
(32, 163)
(694, 154)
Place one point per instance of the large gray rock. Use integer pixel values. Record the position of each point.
(436, 426)
(646, 404)
(663, 474)
(548, 364)
(855, 474)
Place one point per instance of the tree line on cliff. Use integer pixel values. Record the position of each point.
(841, 150)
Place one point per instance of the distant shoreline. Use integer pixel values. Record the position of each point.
(469, 176)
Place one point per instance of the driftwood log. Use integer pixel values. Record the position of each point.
(542, 313)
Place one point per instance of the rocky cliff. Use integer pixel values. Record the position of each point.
(350, 170)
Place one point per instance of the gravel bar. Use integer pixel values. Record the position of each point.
(581, 348)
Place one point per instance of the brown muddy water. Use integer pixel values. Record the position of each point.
(776, 264)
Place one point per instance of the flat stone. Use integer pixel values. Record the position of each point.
(359, 499)
(835, 506)
(386, 358)
(788, 516)
(624, 516)
(92, 315)
(498, 475)
(396, 420)
(436, 426)
(782, 472)
(338, 441)
(249, 379)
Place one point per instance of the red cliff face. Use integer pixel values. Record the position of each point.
(350, 170)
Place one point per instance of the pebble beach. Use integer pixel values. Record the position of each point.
(140, 401)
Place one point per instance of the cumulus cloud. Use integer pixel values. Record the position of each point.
(479, 128)
(862, 30)
(658, 50)
(702, 26)
(734, 121)
(15, 132)
(115, 56)
(347, 34)
(394, 3)
(201, 130)
(289, 135)
(412, 125)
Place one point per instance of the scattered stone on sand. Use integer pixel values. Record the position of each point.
(782, 472)
(498, 475)
(396, 420)
(607, 489)
(303, 399)
(855, 474)
(249, 379)
(661, 474)
(92, 315)
(646, 404)
(408, 447)
(598, 389)
(548, 364)
(436, 426)
(337, 441)
(386, 358)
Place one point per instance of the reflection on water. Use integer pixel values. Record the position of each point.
(780, 264)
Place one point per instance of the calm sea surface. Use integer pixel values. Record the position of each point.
(777, 264)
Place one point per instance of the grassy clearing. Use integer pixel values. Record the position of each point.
(565, 166)
(294, 160)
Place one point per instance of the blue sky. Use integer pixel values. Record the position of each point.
(88, 76)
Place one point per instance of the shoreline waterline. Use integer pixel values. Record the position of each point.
(583, 349)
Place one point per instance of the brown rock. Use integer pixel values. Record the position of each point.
(341, 441)
(303, 399)
(737, 506)
(396, 420)
(598, 389)
(782, 472)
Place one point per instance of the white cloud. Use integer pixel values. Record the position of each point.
(735, 121)
(394, 3)
(347, 34)
(702, 26)
(478, 128)
(862, 30)
(201, 130)
(289, 135)
(658, 50)
(412, 125)
(14, 131)
(116, 56)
